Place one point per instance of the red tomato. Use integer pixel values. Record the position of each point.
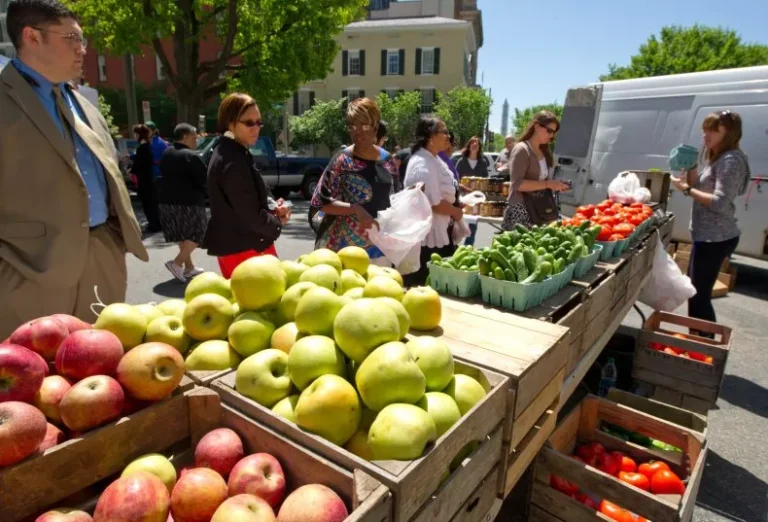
(587, 210)
(656, 346)
(610, 462)
(616, 237)
(651, 467)
(636, 219)
(697, 356)
(614, 512)
(605, 233)
(580, 216)
(628, 465)
(625, 229)
(610, 211)
(665, 482)
(584, 499)
(636, 205)
(562, 485)
(589, 452)
(636, 479)
(618, 206)
(670, 351)
(709, 360)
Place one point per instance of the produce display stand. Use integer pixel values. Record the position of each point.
(418, 494)
(205, 378)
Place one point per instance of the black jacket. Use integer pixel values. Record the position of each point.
(184, 177)
(240, 216)
(142, 164)
(466, 170)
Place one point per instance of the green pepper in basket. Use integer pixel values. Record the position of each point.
(509, 275)
(498, 273)
(436, 259)
(484, 266)
(521, 269)
(530, 258)
(574, 254)
(559, 266)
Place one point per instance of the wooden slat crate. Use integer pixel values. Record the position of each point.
(205, 378)
(581, 426)
(687, 383)
(687, 419)
(412, 483)
(665, 229)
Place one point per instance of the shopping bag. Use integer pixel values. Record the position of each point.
(402, 227)
(623, 188)
(668, 287)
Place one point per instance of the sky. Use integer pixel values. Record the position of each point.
(533, 51)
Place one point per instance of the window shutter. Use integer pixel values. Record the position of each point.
(437, 60)
(344, 63)
(345, 94)
(418, 61)
(311, 99)
(362, 63)
(383, 62)
(296, 103)
(361, 93)
(402, 62)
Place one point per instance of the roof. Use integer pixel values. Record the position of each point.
(406, 23)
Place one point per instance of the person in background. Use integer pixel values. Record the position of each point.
(182, 198)
(502, 166)
(402, 157)
(446, 154)
(441, 188)
(242, 225)
(142, 169)
(472, 162)
(381, 134)
(470, 220)
(721, 176)
(355, 186)
(158, 146)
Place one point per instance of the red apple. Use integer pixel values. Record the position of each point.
(64, 515)
(313, 503)
(259, 474)
(140, 496)
(219, 450)
(21, 373)
(72, 323)
(42, 336)
(244, 508)
(92, 402)
(53, 437)
(89, 352)
(197, 495)
(22, 429)
(151, 371)
(49, 396)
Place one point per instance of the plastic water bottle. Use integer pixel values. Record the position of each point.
(607, 378)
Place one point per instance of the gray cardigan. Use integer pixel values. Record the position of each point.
(523, 165)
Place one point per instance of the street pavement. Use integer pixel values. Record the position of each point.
(734, 486)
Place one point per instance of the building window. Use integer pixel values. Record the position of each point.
(101, 60)
(393, 62)
(159, 68)
(427, 100)
(427, 61)
(392, 92)
(354, 63)
(353, 94)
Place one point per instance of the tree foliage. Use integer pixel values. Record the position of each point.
(322, 124)
(401, 115)
(465, 111)
(689, 49)
(523, 117)
(268, 47)
(106, 110)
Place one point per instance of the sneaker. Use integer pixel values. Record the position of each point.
(176, 270)
(189, 274)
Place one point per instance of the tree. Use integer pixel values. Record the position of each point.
(497, 143)
(268, 47)
(689, 49)
(523, 117)
(465, 111)
(106, 110)
(322, 124)
(401, 114)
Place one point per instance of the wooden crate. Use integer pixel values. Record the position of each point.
(582, 425)
(687, 419)
(412, 483)
(679, 381)
(657, 182)
(665, 229)
(205, 378)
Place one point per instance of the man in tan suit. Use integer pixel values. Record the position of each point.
(65, 216)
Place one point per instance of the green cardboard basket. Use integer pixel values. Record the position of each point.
(450, 281)
(559, 281)
(608, 248)
(514, 296)
(585, 264)
(621, 246)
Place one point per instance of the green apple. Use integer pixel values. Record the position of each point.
(125, 321)
(293, 271)
(317, 310)
(235, 309)
(364, 325)
(211, 356)
(465, 390)
(435, 360)
(150, 311)
(402, 315)
(323, 256)
(373, 271)
(389, 375)
(358, 444)
(383, 286)
(274, 316)
(286, 408)
(285, 337)
(354, 258)
(401, 432)
(173, 307)
(424, 306)
(312, 357)
(250, 333)
(155, 464)
(392, 273)
(208, 283)
(443, 410)
(325, 276)
(355, 293)
(208, 317)
(258, 283)
(291, 298)
(330, 408)
(351, 279)
(168, 329)
(263, 377)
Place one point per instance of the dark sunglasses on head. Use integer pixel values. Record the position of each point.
(252, 123)
(726, 114)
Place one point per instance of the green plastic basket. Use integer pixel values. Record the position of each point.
(450, 281)
(561, 280)
(621, 246)
(514, 296)
(608, 248)
(585, 264)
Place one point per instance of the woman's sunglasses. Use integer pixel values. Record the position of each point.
(549, 130)
(252, 123)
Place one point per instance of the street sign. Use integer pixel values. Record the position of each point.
(146, 111)
(201, 124)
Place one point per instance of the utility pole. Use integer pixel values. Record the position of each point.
(130, 91)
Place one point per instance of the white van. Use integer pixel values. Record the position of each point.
(634, 124)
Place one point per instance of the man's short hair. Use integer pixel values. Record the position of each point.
(182, 130)
(34, 13)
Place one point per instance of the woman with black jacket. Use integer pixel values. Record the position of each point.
(473, 162)
(242, 226)
(145, 178)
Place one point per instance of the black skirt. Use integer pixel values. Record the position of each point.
(183, 223)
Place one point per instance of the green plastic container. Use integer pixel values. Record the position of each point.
(450, 281)
(608, 248)
(585, 264)
(621, 246)
(514, 296)
(683, 157)
(559, 281)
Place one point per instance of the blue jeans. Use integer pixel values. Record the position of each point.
(469, 241)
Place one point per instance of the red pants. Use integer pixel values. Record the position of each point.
(227, 264)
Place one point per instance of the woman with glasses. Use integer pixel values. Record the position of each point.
(441, 188)
(530, 168)
(242, 225)
(721, 176)
(472, 162)
(355, 186)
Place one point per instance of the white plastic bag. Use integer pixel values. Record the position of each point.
(642, 195)
(402, 227)
(472, 199)
(667, 287)
(623, 187)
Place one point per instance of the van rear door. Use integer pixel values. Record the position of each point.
(573, 149)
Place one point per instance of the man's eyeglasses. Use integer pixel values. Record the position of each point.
(75, 40)
(252, 123)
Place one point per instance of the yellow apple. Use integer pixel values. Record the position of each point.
(355, 293)
(312, 357)
(212, 356)
(208, 283)
(465, 390)
(258, 283)
(330, 408)
(286, 408)
(325, 276)
(208, 317)
(443, 410)
(323, 256)
(354, 258)
(424, 307)
(125, 321)
(402, 314)
(317, 310)
(389, 375)
(293, 271)
(435, 360)
(401, 432)
(285, 337)
(383, 286)
(291, 298)
(156, 464)
(263, 377)
(351, 279)
(363, 325)
(250, 333)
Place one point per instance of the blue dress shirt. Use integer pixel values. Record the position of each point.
(90, 167)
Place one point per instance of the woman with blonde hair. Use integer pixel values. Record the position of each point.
(721, 175)
(355, 186)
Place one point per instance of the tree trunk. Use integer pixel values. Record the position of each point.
(188, 109)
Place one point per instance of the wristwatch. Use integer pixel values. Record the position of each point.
(687, 192)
